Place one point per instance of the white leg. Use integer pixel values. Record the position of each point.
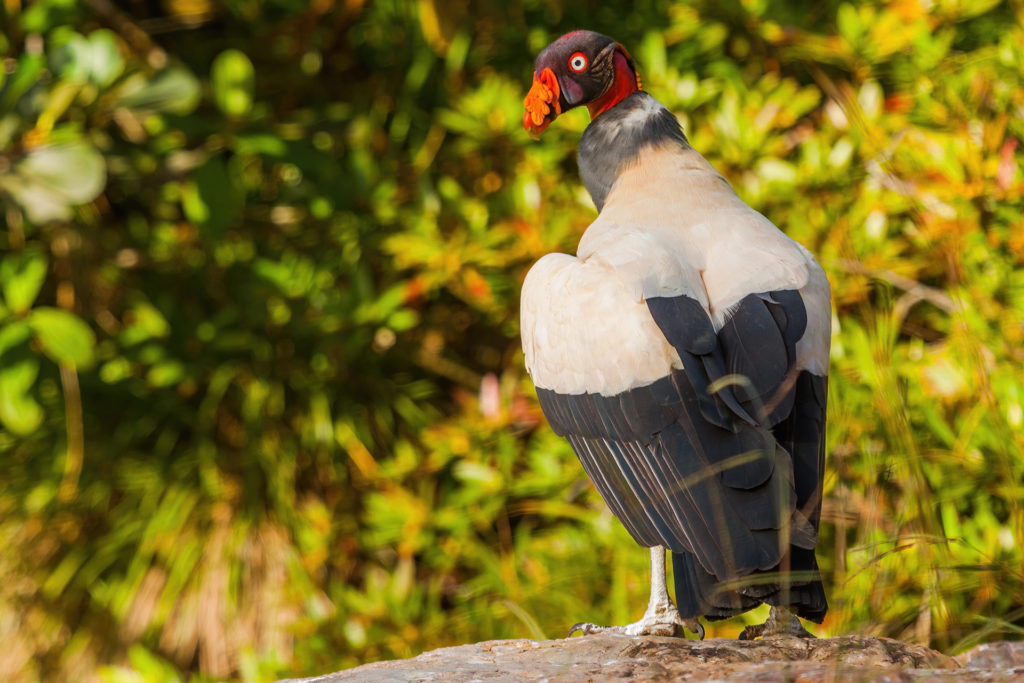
(661, 618)
(659, 587)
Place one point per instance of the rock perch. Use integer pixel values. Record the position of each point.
(606, 657)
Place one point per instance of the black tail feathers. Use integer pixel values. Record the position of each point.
(700, 594)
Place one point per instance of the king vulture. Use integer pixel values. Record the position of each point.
(683, 352)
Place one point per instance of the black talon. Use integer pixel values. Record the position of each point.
(751, 632)
(577, 627)
(695, 626)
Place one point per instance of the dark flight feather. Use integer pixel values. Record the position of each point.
(695, 472)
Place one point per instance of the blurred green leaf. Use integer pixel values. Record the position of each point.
(211, 199)
(27, 71)
(231, 78)
(145, 666)
(95, 58)
(74, 170)
(52, 179)
(64, 336)
(145, 322)
(849, 23)
(71, 59)
(106, 63)
(19, 411)
(165, 374)
(116, 370)
(13, 335)
(22, 274)
(174, 90)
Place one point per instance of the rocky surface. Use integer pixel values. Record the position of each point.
(611, 657)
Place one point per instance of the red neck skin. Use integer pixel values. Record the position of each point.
(623, 85)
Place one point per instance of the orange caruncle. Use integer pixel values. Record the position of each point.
(542, 98)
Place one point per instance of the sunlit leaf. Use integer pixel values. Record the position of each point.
(71, 59)
(19, 411)
(13, 335)
(75, 170)
(231, 78)
(145, 322)
(21, 276)
(27, 71)
(849, 23)
(52, 179)
(65, 337)
(115, 370)
(165, 374)
(174, 90)
(95, 58)
(106, 63)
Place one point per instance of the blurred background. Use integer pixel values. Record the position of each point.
(262, 405)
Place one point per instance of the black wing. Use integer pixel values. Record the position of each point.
(712, 470)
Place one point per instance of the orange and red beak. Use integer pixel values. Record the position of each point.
(542, 102)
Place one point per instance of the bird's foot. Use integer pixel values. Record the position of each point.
(659, 620)
(781, 622)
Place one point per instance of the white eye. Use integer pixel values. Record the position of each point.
(578, 62)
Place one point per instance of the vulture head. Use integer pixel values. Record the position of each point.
(579, 68)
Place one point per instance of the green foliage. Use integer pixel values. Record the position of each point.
(64, 337)
(231, 79)
(262, 405)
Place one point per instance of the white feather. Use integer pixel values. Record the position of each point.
(584, 330)
(671, 225)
